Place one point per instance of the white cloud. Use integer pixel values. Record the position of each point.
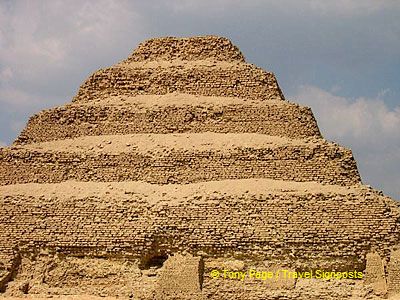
(367, 126)
(51, 31)
(47, 48)
(367, 120)
(42, 43)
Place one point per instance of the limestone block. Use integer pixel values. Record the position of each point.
(181, 275)
(375, 273)
(393, 270)
(281, 280)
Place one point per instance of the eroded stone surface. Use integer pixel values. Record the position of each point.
(181, 161)
(393, 270)
(375, 274)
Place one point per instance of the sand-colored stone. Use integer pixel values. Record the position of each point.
(170, 113)
(181, 160)
(188, 49)
(375, 274)
(393, 270)
(181, 276)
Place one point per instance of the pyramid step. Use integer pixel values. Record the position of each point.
(185, 158)
(170, 113)
(191, 49)
(202, 78)
(303, 220)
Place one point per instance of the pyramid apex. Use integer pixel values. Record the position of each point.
(187, 48)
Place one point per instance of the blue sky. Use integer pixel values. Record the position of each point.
(341, 58)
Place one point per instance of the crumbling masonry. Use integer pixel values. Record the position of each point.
(180, 160)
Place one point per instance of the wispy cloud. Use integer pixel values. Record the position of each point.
(368, 126)
(47, 48)
(362, 118)
(42, 44)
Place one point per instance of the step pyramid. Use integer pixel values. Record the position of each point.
(177, 170)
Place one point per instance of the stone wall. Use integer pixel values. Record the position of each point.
(305, 289)
(323, 163)
(181, 277)
(302, 229)
(195, 48)
(79, 215)
(80, 120)
(52, 273)
(375, 274)
(393, 272)
(240, 80)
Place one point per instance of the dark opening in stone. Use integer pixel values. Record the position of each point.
(155, 261)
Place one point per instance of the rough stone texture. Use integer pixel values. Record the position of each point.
(9, 260)
(181, 158)
(195, 48)
(179, 161)
(233, 80)
(182, 277)
(114, 216)
(393, 270)
(170, 114)
(375, 274)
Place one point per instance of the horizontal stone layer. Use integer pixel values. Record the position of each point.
(183, 158)
(170, 114)
(194, 48)
(219, 79)
(304, 223)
